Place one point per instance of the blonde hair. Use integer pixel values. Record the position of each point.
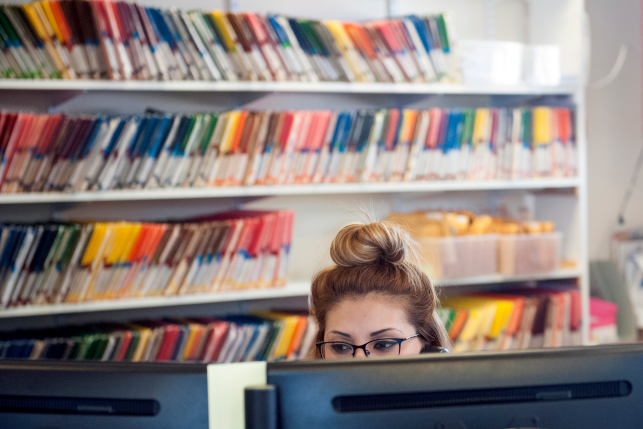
(378, 258)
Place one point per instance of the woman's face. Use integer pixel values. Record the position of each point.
(360, 320)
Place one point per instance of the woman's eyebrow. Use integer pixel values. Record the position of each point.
(341, 333)
(381, 331)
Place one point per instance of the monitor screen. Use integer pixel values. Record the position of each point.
(590, 387)
(102, 395)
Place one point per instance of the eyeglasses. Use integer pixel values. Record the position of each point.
(379, 347)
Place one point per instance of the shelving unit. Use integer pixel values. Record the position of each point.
(322, 208)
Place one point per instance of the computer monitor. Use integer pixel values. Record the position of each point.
(102, 395)
(589, 388)
(570, 388)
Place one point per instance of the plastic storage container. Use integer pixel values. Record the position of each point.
(542, 65)
(491, 62)
(457, 257)
(527, 254)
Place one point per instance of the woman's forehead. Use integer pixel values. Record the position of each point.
(366, 314)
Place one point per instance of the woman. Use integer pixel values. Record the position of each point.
(376, 300)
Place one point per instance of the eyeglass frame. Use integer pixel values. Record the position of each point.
(363, 346)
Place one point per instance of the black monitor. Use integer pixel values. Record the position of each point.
(589, 388)
(573, 388)
(102, 395)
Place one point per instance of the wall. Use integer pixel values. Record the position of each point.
(614, 116)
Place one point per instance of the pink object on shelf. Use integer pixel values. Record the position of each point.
(602, 313)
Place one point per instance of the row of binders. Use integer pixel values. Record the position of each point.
(272, 336)
(517, 319)
(77, 262)
(66, 153)
(104, 39)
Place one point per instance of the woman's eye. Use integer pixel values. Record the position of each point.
(384, 345)
(341, 348)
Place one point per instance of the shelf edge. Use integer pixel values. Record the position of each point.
(262, 190)
(293, 289)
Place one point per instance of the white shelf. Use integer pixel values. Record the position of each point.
(301, 288)
(499, 278)
(293, 289)
(248, 191)
(313, 87)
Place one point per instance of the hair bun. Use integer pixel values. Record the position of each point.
(373, 243)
